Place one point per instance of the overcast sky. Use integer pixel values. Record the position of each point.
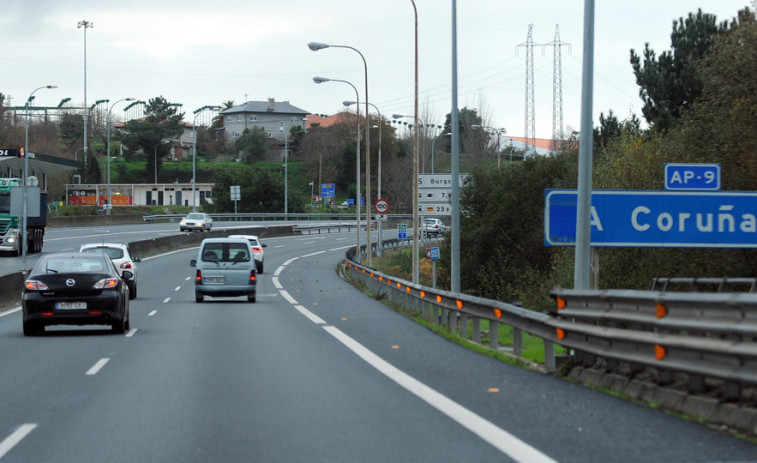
(204, 53)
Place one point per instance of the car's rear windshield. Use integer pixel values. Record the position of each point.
(196, 216)
(113, 253)
(70, 265)
(225, 252)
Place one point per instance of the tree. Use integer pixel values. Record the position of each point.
(610, 128)
(668, 84)
(473, 142)
(161, 122)
(253, 144)
(218, 118)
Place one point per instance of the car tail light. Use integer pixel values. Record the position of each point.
(34, 285)
(257, 249)
(126, 265)
(253, 278)
(198, 277)
(106, 283)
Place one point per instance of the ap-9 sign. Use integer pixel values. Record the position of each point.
(692, 177)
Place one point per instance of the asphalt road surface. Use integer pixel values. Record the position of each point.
(314, 371)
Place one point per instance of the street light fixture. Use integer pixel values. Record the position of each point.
(315, 46)
(24, 234)
(107, 150)
(86, 25)
(320, 80)
(197, 112)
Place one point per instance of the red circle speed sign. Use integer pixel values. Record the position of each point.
(381, 206)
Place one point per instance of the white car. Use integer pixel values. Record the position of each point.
(433, 227)
(121, 257)
(196, 221)
(256, 247)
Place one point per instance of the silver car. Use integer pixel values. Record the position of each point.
(196, 221)
(225, 267)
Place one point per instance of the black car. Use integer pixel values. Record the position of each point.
(75, 289)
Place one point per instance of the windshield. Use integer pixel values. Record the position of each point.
(113, 253)
(225, 252)
(195, 216)
(5, 202)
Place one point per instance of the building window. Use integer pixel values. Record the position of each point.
(253, 118)
(270, 135)
(281, 126)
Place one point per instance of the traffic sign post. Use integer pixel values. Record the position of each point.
(433, 254)
(655, 219)
(381, 206)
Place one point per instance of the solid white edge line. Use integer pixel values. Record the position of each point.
(314, 254)
(97, 366)
(16, 436)
(131, 332)
(289, 261)
(8, 312)
(339, 249)
(313, 317)
(485, 429)
(276, 282)
(289, 298)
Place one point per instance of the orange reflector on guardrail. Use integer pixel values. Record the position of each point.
(660, 352)
(407, 288)
(438, 299)
(381, 278)
(662, 310)
(371, 274)
(498, 313)
(423, 294)
(459, 304)
(560, 303)
(560, 334)
(399, 285)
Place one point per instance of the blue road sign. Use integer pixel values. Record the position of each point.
(327, 190)
(402, 231)
(655, 219)
(433, 253)
(692, 177)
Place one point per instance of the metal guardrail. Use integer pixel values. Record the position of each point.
(268, 216)
(719, 285)
(704, 335)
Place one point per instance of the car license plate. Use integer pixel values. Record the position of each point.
(70, 305)
(214, 279)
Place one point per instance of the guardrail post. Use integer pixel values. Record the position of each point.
(477, 330)
(518, 341)
(550, 361)
(494, 334)
(464, 325)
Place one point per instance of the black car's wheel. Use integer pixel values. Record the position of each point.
(199, 297)
(127, 325)
(32, 329)
(259, 267)
(251, 297)
(133, 290)
(119, 327)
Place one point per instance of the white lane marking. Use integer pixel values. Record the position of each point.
(339, 249)
(10, 311)
(166, 300)
(11, 441)
(67, 249)
(483, 428)
(187, 278)
(152, 313)
(97, 366)
(314, 254)
(278, 271)
(280, 246)
(308, 242)
(313, 317)
(289, 262)
(131, 332)
(276, 283)
(289, 298)
(177, 288)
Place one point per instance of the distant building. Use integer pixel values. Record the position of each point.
(276, 118)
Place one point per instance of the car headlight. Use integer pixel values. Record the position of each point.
(183, 222)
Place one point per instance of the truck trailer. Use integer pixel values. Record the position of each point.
(11, 218)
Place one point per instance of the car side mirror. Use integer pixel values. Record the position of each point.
(193, 263)
(264, 245)
(137, 259)
(127, 275)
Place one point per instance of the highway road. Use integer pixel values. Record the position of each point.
(314, 371)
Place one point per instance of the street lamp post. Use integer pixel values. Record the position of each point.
(378, 192)
(197, 112)
(315, 46)
(107, 150)
(25, 215)
(86, 25)
(311, 196)
(320, 80)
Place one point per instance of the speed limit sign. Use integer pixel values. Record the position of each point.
(381, 206)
